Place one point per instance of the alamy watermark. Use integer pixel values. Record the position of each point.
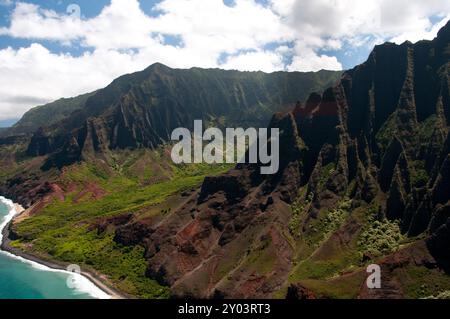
(74, 11)
(233, 148)
(73, 281)
(374, 279)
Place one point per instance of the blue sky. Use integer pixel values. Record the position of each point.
(48, 51)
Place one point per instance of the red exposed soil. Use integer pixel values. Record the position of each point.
(94, 190)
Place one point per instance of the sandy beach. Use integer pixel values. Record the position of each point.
(19, 209)
(94, 278)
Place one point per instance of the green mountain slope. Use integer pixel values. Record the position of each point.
(108, 160)
(142, 109)
(47, 115)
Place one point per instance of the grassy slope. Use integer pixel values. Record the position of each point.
(61, 230)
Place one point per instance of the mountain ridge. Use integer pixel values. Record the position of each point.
(363, 179)
(356, 148)
(31, 121)
(141, 109)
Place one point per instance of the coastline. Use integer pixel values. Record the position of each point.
(52, 265)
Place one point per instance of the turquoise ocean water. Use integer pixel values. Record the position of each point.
(20, 279)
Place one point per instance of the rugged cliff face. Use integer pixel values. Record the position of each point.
(142, 109)
(371, 152)
(364, 178)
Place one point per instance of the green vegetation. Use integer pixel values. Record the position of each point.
(442, 295)
(380, 237)
(326, 172)
(323, 269)
(11, 159)
(61, 231)
(262, 258)
(327, 223)
(328, 260)
(298, 208)
(49, 114)
(336, 288)
(422, 282)
(386, 132)
(426, 130)
(419, 175)
(124, 266)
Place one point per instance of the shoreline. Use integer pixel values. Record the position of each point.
(53, 265)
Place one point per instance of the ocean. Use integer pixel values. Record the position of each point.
(23, 279)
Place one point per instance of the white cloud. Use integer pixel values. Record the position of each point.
(30, 22)
(123, 39)
(328, 24)
(255, 61)
(426, 33)
(349, 18)
(310, 62)
(35, 74)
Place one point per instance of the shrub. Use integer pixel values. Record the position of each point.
(380, 237)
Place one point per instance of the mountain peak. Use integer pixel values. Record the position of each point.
(445, 30)
(158, 66)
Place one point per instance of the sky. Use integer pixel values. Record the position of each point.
(62, 48)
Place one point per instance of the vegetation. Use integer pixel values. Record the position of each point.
(419, 175)
(48, 114)
(61, 231)
(422, 282)
(426, 131)
(386, 132)
(328, 222)
(326, 172)
(317, 266)
(442, 295)
(380, 237)
(298, 208)
(336, 288)
(321, 269)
